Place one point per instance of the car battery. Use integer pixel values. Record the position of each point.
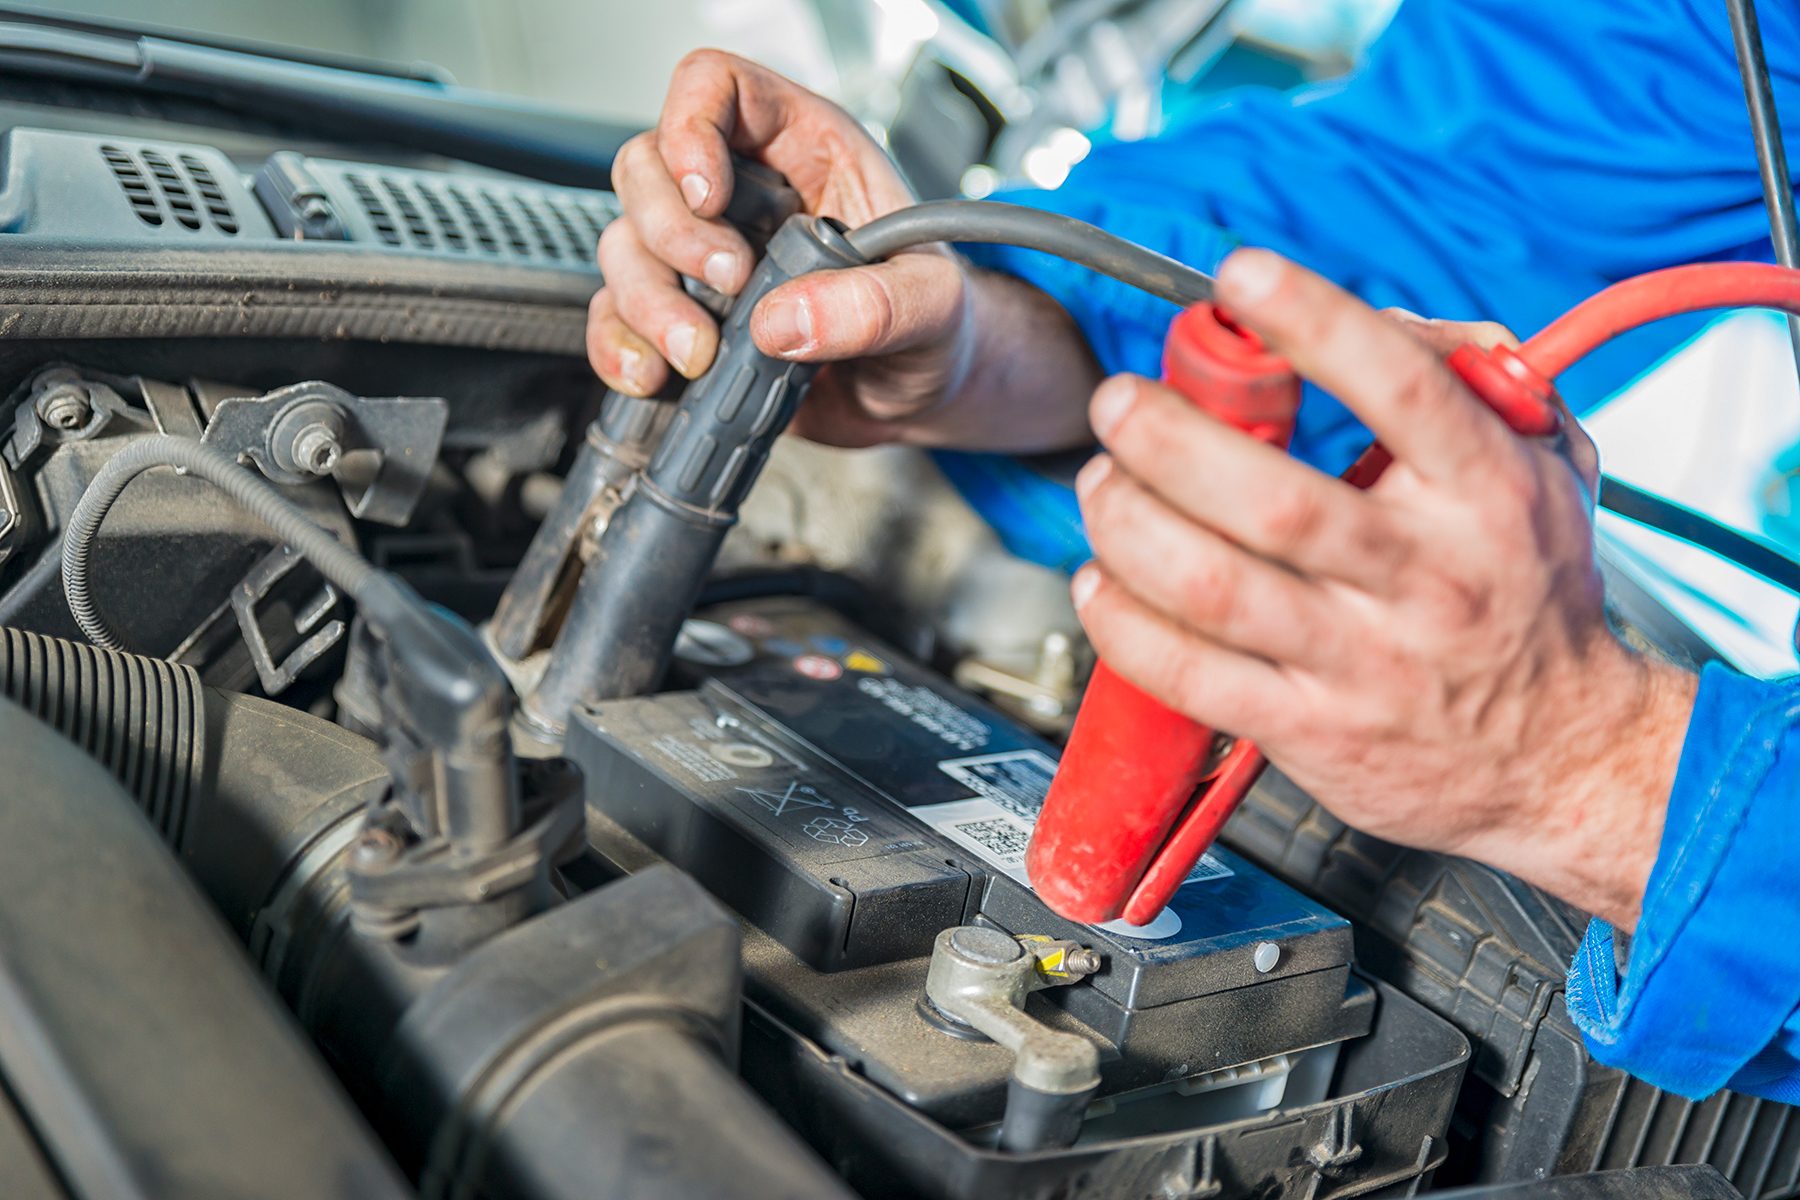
(849, 804)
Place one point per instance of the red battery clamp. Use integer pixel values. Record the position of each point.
(1143, 791)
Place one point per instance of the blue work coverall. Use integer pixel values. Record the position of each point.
(1503, 159)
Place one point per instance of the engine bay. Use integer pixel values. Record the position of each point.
(745, 917)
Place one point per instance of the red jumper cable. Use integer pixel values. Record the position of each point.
(1142, 790)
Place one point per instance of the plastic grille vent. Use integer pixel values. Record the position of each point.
(211, 194)
(418, 232)
(160, 188)
(567, 225)
(174, 189)
(515, 237)
(448, 214)
(379, 217)
(446, 221)
(478, 224)
(131, 179)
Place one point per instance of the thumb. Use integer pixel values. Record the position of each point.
(908, 301)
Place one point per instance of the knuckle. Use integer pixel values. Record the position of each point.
(704, 60)
(615, 242)
(1211, 591)
(660, 229)
(1515, 482)
(1289, 519)
(636, 307)
(1418, 389)
(877, 315)
(1186, 681)
(633, 155)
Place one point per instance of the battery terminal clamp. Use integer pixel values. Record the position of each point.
(978, 980)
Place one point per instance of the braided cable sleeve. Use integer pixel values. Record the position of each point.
(337, 562)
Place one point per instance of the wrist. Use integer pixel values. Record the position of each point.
(1029, 372)
(1594, 812)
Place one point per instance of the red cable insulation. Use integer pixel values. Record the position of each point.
(1651, 297)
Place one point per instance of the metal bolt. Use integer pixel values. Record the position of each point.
(316, 449)
(65, 406)
(1266, 956)
(990, 947)
(1082, 961)
(376, 846)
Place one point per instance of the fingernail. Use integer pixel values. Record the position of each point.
(1250, 275)
(1093, 474)
(631, 367)
(1112, 401)
(1085, 584)
(680, 346)
(787, 324)
(695, 189)
(1405, 314)
(720, 271)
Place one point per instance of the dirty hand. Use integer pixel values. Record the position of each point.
(1430, 658)
(903, 335)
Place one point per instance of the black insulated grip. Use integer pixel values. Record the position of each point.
(730, 417)
(659, 547)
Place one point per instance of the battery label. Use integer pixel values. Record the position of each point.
(1016, 780)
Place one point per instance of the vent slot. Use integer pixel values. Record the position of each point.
(539, 229)
(478, 224)
(418, 232)
(211, 194)
(515, 236)
(580, 246)
(174, 190)
(452, 233)
(379, 217)
(131, 179)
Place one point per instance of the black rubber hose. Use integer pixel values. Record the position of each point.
(144, 719)
(1015, 225)
(1666, 516)
(337, 562)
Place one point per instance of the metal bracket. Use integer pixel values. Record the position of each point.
(379, 450)
(425, 875)
(62, 404)
(257, 583)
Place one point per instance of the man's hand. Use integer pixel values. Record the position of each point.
(1429, 658)
(911, 339)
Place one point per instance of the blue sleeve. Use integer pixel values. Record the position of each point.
(1710, 994)
(1492, 159)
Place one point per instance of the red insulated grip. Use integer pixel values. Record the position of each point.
(1132, 765)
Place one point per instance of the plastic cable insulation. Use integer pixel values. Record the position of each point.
(993, 223)
(1697, 529)
(338, 563)
(1651, 297)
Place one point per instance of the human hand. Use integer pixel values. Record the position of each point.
(895, 331)
(1430, 658)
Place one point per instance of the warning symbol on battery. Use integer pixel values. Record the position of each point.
(866, 663)
(795, 795)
